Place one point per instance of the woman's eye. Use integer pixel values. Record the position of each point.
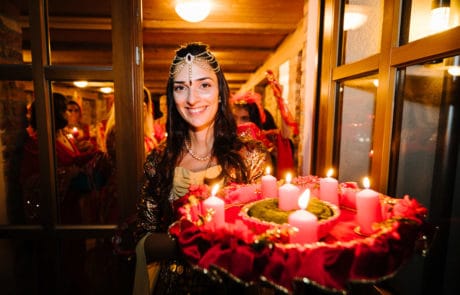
(179, 88)
(205, 85)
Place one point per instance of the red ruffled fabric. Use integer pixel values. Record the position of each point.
(343, 256)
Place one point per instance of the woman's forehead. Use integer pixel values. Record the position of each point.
(194, 72)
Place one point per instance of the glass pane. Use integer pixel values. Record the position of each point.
(11, 34)
(88, 266)
(362, 29)
(18, 269)
(428, 17)
(356, 127)
(15, 98)
(423, 89)
(85, 161)
(82, 38)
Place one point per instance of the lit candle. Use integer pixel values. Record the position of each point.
(328, 188)
(288, 195)
(368, 208)
(269, 185)
(215, 206)
(306, 223)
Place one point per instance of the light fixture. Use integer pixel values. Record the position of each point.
(81, 84)
(439, 20)
(106, 90)
(354, 17)
(193, 10)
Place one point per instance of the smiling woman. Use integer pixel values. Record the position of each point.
(202, 148)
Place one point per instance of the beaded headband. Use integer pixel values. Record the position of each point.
(203, 60)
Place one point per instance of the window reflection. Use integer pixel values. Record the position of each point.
(361, 29)
(428, 17)
(425, 90)
(357, 100)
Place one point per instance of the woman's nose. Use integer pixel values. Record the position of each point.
(192, 96)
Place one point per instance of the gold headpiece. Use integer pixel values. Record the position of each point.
(203, 60)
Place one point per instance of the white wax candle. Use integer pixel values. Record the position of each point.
(305, 222)
(288, 195)
(328, 189)
(368, 208)
(269, 185)
(217, 207)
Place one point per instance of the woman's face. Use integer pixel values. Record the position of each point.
(73, 114)
(241, 115)
(196, 94)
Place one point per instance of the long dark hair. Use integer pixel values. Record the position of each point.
(226, 141)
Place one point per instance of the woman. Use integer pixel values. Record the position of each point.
(202, 147)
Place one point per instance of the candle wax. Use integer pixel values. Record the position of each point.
(288, 197)
(216, 204)
(269, 186)
(307, 225)
(368, 209)
(328, 190)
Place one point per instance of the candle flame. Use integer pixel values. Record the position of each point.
(330, 172)
(288, 177)
(366, 182)
(304, 199)
(215, 188)
(267, 170)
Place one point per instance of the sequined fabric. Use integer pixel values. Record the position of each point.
(176, 277)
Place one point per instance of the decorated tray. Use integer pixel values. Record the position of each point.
(253, 251)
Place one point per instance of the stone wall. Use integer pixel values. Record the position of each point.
(13, 102)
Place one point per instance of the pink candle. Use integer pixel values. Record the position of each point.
(215, 207)
(288, 195)
(368, 209)
(306, 223)
(269, 185)
(328, 189)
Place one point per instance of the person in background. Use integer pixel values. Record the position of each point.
(256, 122)
(79, 131)
(150, 141)
(202, 147)
(74, 176)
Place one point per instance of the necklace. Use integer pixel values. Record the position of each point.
(195, 156)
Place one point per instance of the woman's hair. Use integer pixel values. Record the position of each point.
(226, 142)
(60, 107)
(253, 111)
(74, 103)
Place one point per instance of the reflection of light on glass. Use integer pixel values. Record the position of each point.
(375, 82)
(106, 90)
(81, 84)
(354, 17)
(454, 70)
(193, 10)
(439, 20)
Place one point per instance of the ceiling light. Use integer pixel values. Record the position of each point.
(193, 10)
(106, 90)
(81, 84)
(354, 17)
(440, 10)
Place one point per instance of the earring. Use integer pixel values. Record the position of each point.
(220, 100)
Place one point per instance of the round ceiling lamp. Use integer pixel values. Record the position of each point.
(193, 10)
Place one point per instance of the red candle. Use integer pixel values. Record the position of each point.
(269, 185)
(368, 209)
(328, 188)
(215, 206)
(288, 195)
(305, 223)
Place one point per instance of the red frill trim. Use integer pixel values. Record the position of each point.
(343, 256)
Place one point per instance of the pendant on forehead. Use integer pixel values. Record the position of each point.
(189, 58)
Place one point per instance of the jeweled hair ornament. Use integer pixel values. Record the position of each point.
(203, 60)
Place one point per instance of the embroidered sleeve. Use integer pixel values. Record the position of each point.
(256, 158)
(148, 207)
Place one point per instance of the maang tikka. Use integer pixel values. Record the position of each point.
(203, 60)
